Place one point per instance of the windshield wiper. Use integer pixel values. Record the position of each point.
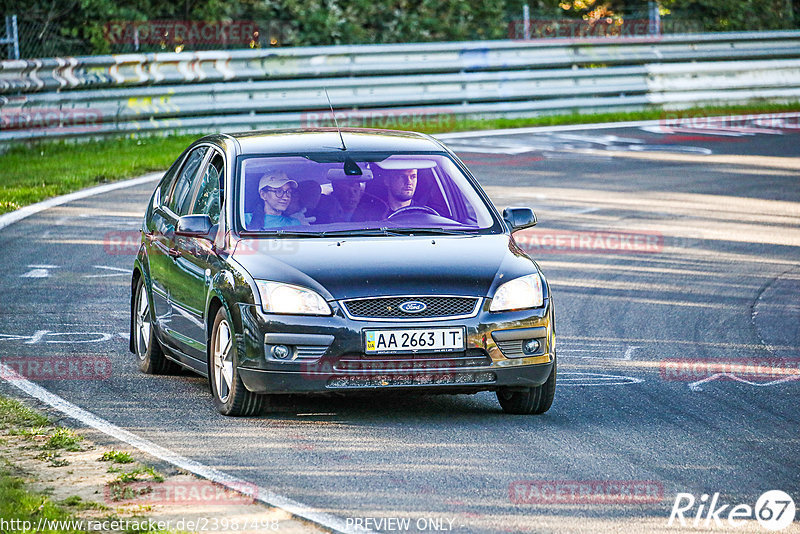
(427, 231)
(360, 232)
(289, 233)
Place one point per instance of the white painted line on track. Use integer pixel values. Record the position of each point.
(594, 380)
(36, 273)
(258, 493)
(27, 211)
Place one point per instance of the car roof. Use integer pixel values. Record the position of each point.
(327, 140)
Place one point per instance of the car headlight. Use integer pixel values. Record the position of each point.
(286, 298)
(517, 294)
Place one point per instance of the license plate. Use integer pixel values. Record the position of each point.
(414, 340)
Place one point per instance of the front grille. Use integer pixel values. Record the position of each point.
(426, 379)
(411, 363)
(511, 349)
(389, 307)
(310, 352)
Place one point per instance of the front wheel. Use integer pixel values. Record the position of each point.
(230, 395)
(148, 351)
(536, 400)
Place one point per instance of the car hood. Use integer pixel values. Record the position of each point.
(374, 266)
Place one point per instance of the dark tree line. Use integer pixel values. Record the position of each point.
(82, 26)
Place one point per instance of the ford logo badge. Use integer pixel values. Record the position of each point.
(413, 306)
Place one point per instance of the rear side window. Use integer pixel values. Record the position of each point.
(208, 195)
(181, 198)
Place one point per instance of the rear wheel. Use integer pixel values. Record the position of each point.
(536, 400)
(230, 395)
(148, 351)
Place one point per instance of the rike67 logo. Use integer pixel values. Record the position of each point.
(774, 510)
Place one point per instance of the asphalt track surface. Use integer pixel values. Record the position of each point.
(718, 278)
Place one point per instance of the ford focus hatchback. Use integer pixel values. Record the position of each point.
(319, 261)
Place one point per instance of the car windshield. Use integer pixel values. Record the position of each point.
(334, 194)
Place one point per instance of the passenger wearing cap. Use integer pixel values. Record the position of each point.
(276, 190)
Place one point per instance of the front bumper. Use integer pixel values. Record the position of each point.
(327, 354)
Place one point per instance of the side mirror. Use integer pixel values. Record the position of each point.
(519, 218)
(194, 226)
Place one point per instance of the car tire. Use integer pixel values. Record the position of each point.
(536, 400)
(148, 350)
(231, 397)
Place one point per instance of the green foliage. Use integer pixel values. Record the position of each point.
(117, 457)
(737, 15)
(64, 438)
(78, 27)
(75, 502)
(15, 414)
(16, 502)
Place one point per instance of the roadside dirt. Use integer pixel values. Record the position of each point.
(181, 502)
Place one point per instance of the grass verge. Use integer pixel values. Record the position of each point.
(16, 501)
(27, 508)
(41, 170)
(24, 509)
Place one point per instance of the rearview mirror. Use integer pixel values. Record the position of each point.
(519, 218)
(194, 226)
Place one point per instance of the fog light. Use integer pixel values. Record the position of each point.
(530, 346)
(281, 352)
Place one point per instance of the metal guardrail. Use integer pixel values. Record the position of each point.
(211, 91)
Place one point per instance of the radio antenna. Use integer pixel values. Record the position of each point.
(334, 118)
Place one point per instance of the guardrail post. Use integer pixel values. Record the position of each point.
(12, 36)
(655, 18)
(526, 22)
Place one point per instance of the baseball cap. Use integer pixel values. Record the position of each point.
(275, 180)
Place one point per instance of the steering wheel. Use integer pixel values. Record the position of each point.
(409, 209)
